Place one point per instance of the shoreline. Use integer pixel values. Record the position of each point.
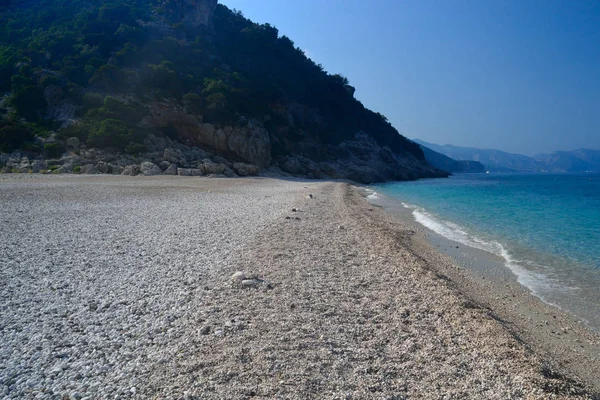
(352, 302)
(555, 264)
(560, 336)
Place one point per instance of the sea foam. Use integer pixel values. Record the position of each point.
(372, 194)
(536, 282)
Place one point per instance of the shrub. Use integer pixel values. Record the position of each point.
(93, 100)
(110, 133)
(29, 102)
(135, 148)
(53, 150)
(50, 80)
(78, 130)
(193, 103)
(109, 77)
(14, 135)
(30, 146)
(77, 170)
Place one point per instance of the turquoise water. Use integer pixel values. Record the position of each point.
(545, 226)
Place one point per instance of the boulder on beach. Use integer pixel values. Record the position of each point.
(171, 170)
(189, 172)
(244, 169)
(131, 170)
(148, 169)
(89, 169)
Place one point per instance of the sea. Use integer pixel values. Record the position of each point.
(545, 228)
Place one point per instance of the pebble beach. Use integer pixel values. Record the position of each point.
(117, 287)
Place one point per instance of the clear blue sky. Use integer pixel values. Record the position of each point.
(517, 75)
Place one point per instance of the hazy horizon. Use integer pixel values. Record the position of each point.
(506, 151)
(520, 77)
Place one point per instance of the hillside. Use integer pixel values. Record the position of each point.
(186, 84)
(494, 160)
(581, 160)
(446, 163)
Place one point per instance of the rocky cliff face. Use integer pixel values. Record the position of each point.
(197, 13)
(249, 142)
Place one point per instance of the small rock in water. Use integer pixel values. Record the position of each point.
(297, 218)
(294, 209)
(341, 227)
(288, 217)
(238, 276)
(205, 330)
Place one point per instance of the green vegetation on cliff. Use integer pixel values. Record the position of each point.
(108, 60)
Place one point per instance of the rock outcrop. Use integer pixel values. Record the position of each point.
(194, 13)
(249, 142)
(362, 160)
(148, 169)
(237, 151)
(243, 169)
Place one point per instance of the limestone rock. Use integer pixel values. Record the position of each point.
(197, 13)
(70, 159)
(189, 172)
(238, 276)
(171, 170)
(72, 143)
(221, 160)
(293, 166)
(113, 169)
(174, 156)
(330, 169)
(251, 143)
(148, 169)
(24, 165)
(213, 168)
(250, 283)
(66, 168)
(38, 165)
(89, 169)
(229, 173)
(103, 167)
(14, 159)
(131, 170)
(243, 169)
(164, 165)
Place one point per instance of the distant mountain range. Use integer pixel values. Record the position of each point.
(445, 163)
(581, 160)
(571, 161)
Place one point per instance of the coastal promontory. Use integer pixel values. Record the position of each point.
(181, 84)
